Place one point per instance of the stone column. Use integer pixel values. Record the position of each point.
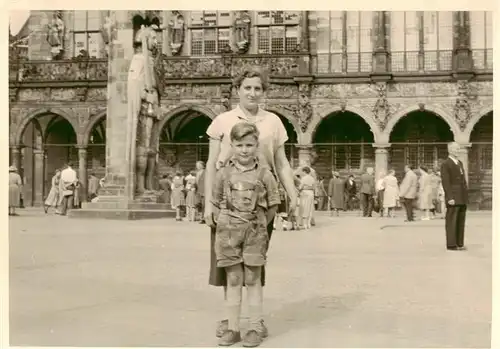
(38, 176)
(381, 158)
(120, 54)
(16, 156)
(304, 154)
(464, 157)
(82, 172)
(462, 54)
(380, 51)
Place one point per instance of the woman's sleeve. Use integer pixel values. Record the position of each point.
(281, 135)
(214, 131)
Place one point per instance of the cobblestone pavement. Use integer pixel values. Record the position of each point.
(349, 282)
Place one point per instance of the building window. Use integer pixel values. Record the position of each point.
(431, 28)
(210, 32)
(277, 31)
(481, 39)
(87, 37)
(344, 41)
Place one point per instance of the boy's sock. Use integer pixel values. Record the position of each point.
(233, 307)
(255, 296)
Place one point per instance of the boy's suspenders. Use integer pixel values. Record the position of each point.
(227, 183)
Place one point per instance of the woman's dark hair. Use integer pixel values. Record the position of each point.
(251, 73)
(424, 168)
(306, 169)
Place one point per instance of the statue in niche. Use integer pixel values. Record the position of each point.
(242, 31)
(55, 35)
(143, 101)
(177, 32)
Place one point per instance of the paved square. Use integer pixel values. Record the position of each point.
(349, 282)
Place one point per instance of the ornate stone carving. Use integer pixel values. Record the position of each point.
(97, 70)
(342, 91)
(421, 89)
(34, 94)
(55, 35)
(96, 109)
(381, 110)
(225, 100)
(462, 108)
(54, 71)
(97, 94)
(305, 110)
(205, 91)
(284, 66)
(177, 32)
(195, 67)
(282, 91)
(242, 31)
(109, 32)
(81, 115)
(480, 88)
(174, 91)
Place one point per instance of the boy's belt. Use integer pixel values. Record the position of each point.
(244, 216)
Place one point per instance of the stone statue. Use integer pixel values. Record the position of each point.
(55, 35)
(242, 31)
(143, 105)
(177, 32)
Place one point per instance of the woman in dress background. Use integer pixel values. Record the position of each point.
(250, 85)
(306, 189)
(165, 184)
(191, 196)
(425, 193)
(336, 193)
(391, 193)
(379, 187)
(178, 198)
(15, 187)
(52, 199)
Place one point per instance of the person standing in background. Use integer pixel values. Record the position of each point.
(93, 186)
(391, 193)
(53, 198)
(350, 191)
(380, 192)
(408, 192)
(456, 197)
(67, 186)
(15, 187)
(425, 193)
(321, 194)
(336, 193)
(200, 189)
(166, 186)
(367, 191)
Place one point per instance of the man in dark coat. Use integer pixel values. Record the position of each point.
(455, 191)
(350, 192)
(367, 190)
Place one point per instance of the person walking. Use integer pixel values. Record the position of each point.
(165, 184)
(67, 185)
(93, 186)
(455, 191)
(15, 187)
(408, 192)
(53, 198)
(306, 190)
(367, 190)
(200, 189)
(336, 193)
(350, 191)
(380, 189)
(425, 203)
(391, 194)
(178, 198)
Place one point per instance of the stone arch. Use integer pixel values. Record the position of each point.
(293, 121)
(93, 121)
(474, 120)
(400, 114)
(316, 121)
(30, 116)
(171, 113)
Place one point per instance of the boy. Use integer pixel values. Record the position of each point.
(246, 198)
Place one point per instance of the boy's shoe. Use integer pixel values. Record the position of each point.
(229, 338)
(252, 339)
(262, 329)
(222, 327)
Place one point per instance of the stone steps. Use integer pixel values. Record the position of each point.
(121, 214)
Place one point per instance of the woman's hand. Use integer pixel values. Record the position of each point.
(209, 215)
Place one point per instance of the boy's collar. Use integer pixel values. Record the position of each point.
(234, 163)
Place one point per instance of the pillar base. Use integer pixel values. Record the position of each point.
(123, 210)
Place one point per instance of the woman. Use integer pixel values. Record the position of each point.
(165, 184)
(435, 182)
(336, 193)
(191, 196)
(15, 187)
(379, 187)
(425, 193)
(52, 199)
(391, 193)
(250, 85)
(178, 199)
(306, 190)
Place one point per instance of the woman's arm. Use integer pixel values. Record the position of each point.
(285, 175)
(210, 171)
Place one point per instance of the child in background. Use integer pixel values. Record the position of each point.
(191, 196)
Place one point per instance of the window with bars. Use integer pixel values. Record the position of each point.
(277, 31)
(344, 41)
(435, 28)
(210, 32)
(481, 39)
(87, 37)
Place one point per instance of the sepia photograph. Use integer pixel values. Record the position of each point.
(250, 178)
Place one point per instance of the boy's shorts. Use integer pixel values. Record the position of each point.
(238, 242)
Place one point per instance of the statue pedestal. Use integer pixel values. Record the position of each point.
(116, 198)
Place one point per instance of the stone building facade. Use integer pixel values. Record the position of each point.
(354, 89)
